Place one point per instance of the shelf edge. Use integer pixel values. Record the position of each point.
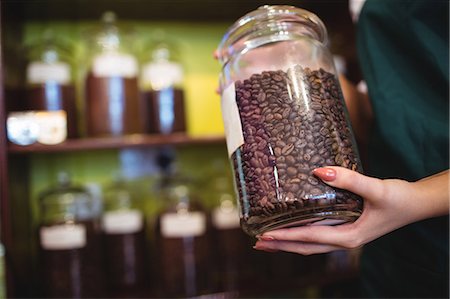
(103, 143)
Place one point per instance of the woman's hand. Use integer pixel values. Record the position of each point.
(388, 205)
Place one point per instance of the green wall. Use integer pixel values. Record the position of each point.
(196, 42)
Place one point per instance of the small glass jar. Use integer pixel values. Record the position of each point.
(49, 87)
(123, 240)
(183, 243)
(162, 81)
(232, 247)
(112, 91)
(69, 242)
(284, 116)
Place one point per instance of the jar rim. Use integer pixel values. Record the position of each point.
(260, 19)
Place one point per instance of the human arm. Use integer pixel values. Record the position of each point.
(388, 205)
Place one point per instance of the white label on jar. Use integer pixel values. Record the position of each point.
(41, 72)
(231, 120)
(65, 236)
(122, 222)
(225, 219)
(162, 74)
(52, 126)
(22, 128)
(115, 64)
(178, 225)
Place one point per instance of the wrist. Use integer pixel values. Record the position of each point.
(432, 195)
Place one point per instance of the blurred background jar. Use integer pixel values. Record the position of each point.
(123, 241)
(69, 242)
(111, 87)
(163, 93)
(50, 88)
(231, 246)
(182, 241)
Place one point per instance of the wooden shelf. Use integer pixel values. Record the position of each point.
(101, 143)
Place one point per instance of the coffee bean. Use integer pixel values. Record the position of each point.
(255, 163)
(290, 160)
(292, 171)
(278, 116)
(286, 150)
(269, 117)
(315, 159)
(313, 180)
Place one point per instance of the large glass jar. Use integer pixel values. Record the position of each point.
(69, 240)
(49, 87)
(123, 240)
(284, 116)
(112, 92)
(162, 82)
(183, 244)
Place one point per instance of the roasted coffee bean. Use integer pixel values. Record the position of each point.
(292, 171)
(290, 160)
(313, 180)
(315, 159)
(286, 150)
(286, 137)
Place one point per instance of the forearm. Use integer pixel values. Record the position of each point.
(434, 190)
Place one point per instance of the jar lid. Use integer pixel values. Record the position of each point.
(270, 24)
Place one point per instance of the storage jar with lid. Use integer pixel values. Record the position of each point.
(232, 247)
(162, 80)
(183, 242)
(111, 91)
(50, 89)
(123, 240)
(69, 242)
(284, 116)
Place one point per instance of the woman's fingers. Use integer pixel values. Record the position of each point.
(342, 236)
(350, 180)
(295, 247)
(313, 239)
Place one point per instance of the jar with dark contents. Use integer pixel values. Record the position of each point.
(162, 81)
(284, 116)
(123, 242)
(183, 244)
(69, 240)
(113, 104)
(50, 89)
(232, 247)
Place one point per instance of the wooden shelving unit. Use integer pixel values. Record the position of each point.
(102, 143)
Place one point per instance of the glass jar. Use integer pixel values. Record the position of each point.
(284, 116)
(50, 88)
(112, 92)
(232, 247)
(183, 243)
(123, 240)
(69, 242)
(162, 82)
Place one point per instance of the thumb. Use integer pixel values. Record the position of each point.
(343, 178)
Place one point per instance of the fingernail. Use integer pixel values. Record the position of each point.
(262, 248)
(265, 238)
(325, 173)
